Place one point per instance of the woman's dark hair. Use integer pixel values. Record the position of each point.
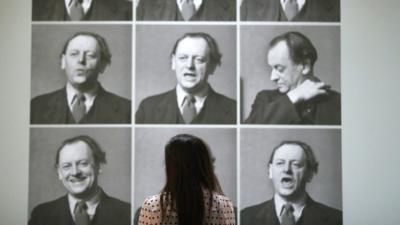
(190, 173)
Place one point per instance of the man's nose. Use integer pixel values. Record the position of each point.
(274, 75)
(190, 63)
(82, 58)
(75, 170)
(287, 168)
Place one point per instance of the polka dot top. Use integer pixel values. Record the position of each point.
(221, 212)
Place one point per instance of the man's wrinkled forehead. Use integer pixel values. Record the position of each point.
(79, 36)
(189, 38)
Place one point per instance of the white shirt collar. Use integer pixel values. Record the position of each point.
(85, 5)
(297, 206)
(197, 4)
(299, 2)
(91, 203)
(200, 98)
(89, 96)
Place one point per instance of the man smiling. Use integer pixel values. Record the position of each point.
(194, 58)
(78, 163)
(292, 165)
(83, 100)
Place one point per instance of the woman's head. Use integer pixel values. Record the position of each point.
(188, 161)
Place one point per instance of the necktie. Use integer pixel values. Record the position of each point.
(291, 9)
(188, 9)
(189, 110)
(78, 107)
(76, 10)
(287, 217)
(81, 216)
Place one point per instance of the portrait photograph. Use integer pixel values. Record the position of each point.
(69, 165)
(292, 165)
(186, 10)
(175, 62)
(290, 75)
(82, 10)
(91, 61)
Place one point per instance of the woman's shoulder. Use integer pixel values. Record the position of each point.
(152, 203)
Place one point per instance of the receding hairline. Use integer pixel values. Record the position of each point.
(82, 35)
(288, 144)
(193, 37)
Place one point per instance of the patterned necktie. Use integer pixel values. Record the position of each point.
(291, 9)
(188, 9)
(189, 110)
(76, 10)
(81, 216)
(287, 217)
(78, 107)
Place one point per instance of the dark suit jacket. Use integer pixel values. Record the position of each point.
(52, 108)
(54, 10)
(270, 10)
(211, 10)
(163, 108)
(273, 107)
(110, 211)
(314, 213)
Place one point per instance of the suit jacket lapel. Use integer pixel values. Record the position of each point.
(268, 10)
(57, 107)
(63, 216)
(267, 215)
(102, 10)
(166, 10)
(168, 109)
(54, 10)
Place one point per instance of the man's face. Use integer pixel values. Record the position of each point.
(288, 171)
(82, 61)
(192, 65)
(285, 73)
(77, 170)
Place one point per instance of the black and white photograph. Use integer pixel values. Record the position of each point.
(186, 10)
(81, 74)
(169, 160)
(290, 75)
(290, 176)
(82, 10)
(185, 74)
(80, 176)
(290, 10)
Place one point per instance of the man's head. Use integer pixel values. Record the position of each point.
(194, 57)
(292, 165)
(84, 56)
(291, 57)
(78, 162)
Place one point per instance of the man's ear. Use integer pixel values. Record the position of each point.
(212, 68)
(173, 66)
(59, 173)
(269, 171)
(306, 67)
(62, 62)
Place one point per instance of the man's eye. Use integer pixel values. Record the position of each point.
(200, 60)
(66, 167)
(91, 56)
(279, 68)
(73, 53)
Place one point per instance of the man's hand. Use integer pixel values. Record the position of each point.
(307, 90)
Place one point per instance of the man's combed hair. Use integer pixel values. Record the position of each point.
(190, 172)
(215, 54)
(105, 54)
(300, 47)
(311, 161)
(98, 154)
